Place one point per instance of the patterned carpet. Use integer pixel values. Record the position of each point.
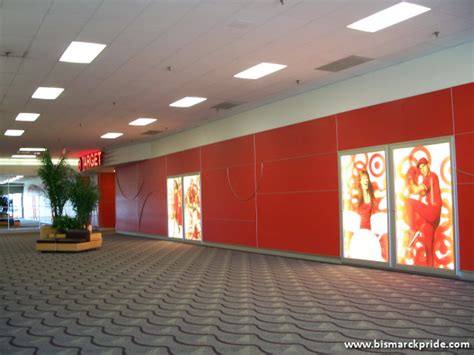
(143, 296)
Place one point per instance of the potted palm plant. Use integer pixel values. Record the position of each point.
(84, 196)
(56, 186)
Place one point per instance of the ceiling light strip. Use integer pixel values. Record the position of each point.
(388, 17)
(259, 71)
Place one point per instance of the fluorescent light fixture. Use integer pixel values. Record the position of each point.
(188, 101)
(23, 156)
(14, 132)
(142, 121)
(32, 149)
(111, 135)
(388, 17)
(260, 70)
(81, 52)
(45, 93)
(28, 117)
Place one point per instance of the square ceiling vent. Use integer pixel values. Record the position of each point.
(344, 63)
(152, 132)
(226, 105)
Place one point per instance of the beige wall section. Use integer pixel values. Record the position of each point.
(443, 69)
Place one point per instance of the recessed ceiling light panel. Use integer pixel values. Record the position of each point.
(27, 117)
(142, 121)
(389, 17)
(188, 101)
(47, 93)
(111, 135)
(81, 52)
(260, 70)
(32, 149)
(14, 132)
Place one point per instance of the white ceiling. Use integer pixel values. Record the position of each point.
(159, 51)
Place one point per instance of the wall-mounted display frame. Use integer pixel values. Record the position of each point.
(364, 205)
(184, 207)
(192, 207)
(175, 207)
(424, 205)
(416, 207)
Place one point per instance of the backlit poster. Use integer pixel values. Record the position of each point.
(423, 205)
(364, 201)
(175, 207)
(192, 207)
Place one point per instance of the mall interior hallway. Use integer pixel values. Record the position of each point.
(139, 295)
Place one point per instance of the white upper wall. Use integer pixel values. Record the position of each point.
(443, 69)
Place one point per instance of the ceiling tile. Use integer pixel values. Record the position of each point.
(61, 28)
(27, 6)
(20, 23)
(9, 64)
(74, 8)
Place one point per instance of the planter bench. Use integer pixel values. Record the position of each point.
(72, 241)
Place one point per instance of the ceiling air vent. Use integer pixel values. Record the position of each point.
(226, 105)
(344, 63)
(151, 132)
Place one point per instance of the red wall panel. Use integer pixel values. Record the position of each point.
(466, 225)
(233, 152)
(300, 222)
(464, 158)
(106, 182)
(313, 137)
(152, 202)
(317, 172)
(228, 189)
(300, 158)
(419, 117)
(230, 232)
(126, 202)
(187, 161)
(463, 100)
(465, 179)
(218, 200)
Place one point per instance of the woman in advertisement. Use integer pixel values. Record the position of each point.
(368, 198)
(365, 198)
(423, 216)
(365, 206)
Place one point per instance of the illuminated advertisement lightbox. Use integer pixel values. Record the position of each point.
(364, 201)
(423, 206)
(192, 207)
(175, 207)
